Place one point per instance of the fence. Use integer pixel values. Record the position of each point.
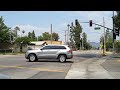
(117, 50)
(5, 50)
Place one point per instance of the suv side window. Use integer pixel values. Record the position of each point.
(47, 47)
(54, 47)
(58, 47)
(62, 47)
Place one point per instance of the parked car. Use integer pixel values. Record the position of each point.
(59, 52)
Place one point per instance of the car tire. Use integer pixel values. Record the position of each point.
(32, 58)
(62, 58)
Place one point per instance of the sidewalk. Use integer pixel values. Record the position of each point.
(112, 65)
(88, 69)
(10, 55)
(105, 67)
(113, 55)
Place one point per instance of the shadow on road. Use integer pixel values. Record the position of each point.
(52, 61)
(86, 55)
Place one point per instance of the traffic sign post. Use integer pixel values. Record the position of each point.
(97, 28)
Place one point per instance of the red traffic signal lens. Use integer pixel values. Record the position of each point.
(90, 22)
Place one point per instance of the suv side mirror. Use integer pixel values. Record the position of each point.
(41, 49)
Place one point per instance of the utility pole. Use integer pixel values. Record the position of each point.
(37, 38)
(113, 34)
(10, 34)
(51, 33)
(104, 48)
(82, 44)
(65, 36)
(68, 34)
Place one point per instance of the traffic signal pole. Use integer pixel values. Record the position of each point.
(113, 34)
(51, 33)
(104, 46)
(115, 31)
(99, 25)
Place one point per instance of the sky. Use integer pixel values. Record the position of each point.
(40, 21)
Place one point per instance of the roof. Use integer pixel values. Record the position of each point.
(46, 42)
(56, 45)
(38, 42)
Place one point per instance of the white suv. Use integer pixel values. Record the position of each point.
(60, 52)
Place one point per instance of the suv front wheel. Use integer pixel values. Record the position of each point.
(32, 58)
(62, 58)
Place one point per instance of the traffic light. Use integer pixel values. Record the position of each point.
(76, 22)
(114, 36)
(90, 22)
(117, 31)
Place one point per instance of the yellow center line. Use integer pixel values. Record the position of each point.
(44, 69)
(39, 69)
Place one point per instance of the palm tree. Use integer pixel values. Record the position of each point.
(23, 31)
(16, 29)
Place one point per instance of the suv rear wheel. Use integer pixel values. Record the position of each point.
(62, 58)
(32, 58)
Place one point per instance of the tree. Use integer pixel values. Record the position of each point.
(33, 35)
(86, 45)
(108, 39)
(55, 36)
(72, 42)
(29, 35)
(75, 33)
(117, 19)
(22, 41)
(23, 31)
(46, 36)
(40, 38)
(4, 31)
(84, 36)
(16, 29)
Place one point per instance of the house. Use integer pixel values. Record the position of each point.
(36, 44)
(39, 44)
(33, 45)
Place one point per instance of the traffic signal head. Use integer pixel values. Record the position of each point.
(114, 36)
(90, 22)
(117, 31)
(76, 22)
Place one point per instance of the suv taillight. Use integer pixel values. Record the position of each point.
(70, 51)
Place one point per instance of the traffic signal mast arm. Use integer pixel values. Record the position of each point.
(98, 25)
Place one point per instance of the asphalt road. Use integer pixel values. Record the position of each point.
(17, 67)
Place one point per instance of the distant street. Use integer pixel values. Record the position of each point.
(84, 65)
